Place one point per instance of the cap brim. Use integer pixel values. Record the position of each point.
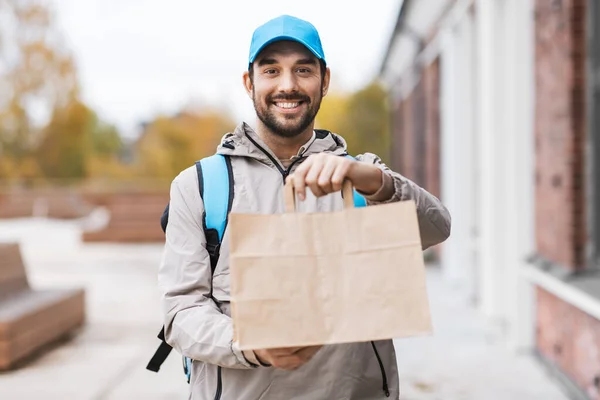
(280, 38)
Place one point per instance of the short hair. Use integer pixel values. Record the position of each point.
(321, 65)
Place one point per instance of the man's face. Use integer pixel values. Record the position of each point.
(286, 87)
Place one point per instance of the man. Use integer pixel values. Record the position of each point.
(287, 78)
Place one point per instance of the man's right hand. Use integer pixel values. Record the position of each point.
(289, 358)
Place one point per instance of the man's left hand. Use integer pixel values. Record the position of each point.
(325, 173)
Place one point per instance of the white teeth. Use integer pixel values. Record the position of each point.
(287, 105)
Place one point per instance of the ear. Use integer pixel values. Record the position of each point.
(247, 83)
(326, 80)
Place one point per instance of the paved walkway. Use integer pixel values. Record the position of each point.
(107, 359)
(464, 359)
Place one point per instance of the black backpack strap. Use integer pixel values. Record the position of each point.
(213, 246)
(161, 354)
(164, 218)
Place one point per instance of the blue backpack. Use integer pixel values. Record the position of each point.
(215, 183)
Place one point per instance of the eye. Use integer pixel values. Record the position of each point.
(304, 70)
(270, 71)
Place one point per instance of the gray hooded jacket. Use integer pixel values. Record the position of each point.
(198, 324)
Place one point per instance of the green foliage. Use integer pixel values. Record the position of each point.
(74, 144)
(362, 118)
(66, 140)
(170, 144)
(37, 72)
(106, 142)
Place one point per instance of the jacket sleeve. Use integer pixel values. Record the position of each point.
(434, 219)
(194, 324)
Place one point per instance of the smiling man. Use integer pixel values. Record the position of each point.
(289, 112)
(287, 78)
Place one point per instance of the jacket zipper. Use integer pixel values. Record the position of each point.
(386, 390)
(287, 171)
(284, 172)
(219, 384)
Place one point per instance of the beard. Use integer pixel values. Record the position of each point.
(287, 126)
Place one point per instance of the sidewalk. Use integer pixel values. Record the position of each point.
(107, 359)
(464, 359)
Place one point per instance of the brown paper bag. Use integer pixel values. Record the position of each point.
(300, 279)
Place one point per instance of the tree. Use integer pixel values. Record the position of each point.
(171, 144)
(37, 75)
(368, 121)
(66, 142)
(362, 118)
(76, 144)
(106, 142)
(45, 129)
(331, 116)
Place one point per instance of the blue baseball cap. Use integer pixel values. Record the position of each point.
(286, 27)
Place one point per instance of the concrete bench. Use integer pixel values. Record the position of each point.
(59, 203)
(62, 204)
(16, 205)
(32, 319)
(134, 218)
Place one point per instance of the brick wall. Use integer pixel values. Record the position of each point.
(560, 130)
(566, 336)
(570, 339)
(396, 160)
(408, 139)
(420, 132)
(416, 132)
(432, 130)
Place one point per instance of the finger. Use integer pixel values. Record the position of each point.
(312, 176)
(290, 350)
(324, 180)
(308, 352)
(281, 361)
(296, 360)
(264, 356)
(299, 177)
(317, 191)
(284, 351)
(290, 362)
(340, 174)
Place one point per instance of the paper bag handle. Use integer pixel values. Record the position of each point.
(289, 194)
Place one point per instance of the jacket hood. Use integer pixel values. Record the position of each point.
(245, 142)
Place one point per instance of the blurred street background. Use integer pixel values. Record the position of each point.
(491, 105)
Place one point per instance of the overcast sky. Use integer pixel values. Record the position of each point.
(138, 58)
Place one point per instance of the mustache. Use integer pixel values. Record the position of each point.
(289, 97)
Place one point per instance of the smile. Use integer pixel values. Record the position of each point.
(288, 105)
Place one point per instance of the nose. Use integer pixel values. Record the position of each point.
(288, 82)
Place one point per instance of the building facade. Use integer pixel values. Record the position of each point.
(496, 109)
